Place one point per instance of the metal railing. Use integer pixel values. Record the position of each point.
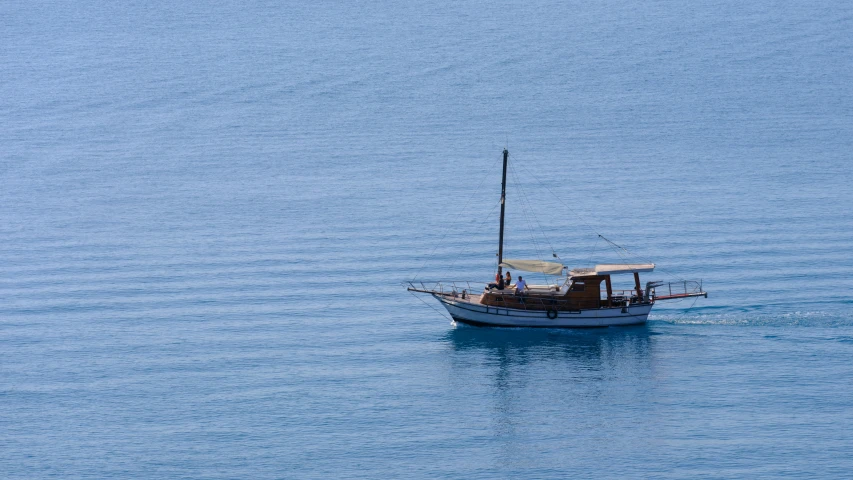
(545, 301)
(621, 293)
(452, 288)
(669, 290)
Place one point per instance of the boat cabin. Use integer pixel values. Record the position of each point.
(582, 290)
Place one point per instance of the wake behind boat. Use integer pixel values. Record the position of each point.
(585, 298)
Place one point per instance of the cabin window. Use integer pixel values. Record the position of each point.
(577, 286)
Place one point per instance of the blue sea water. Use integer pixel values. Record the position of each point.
(208, 208)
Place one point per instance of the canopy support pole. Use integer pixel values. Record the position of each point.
(637, 286)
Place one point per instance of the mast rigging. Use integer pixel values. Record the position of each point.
(503, 206)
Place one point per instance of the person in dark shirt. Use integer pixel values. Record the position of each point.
(499, 282)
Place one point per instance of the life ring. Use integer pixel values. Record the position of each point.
(552, 314)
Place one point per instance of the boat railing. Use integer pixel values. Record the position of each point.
(621, 293)
(459, 288)
(621, 298)
(673, 290)
(509, 299)
(654, 291)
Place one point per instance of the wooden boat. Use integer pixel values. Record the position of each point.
(577, 301)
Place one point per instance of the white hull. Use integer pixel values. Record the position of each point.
(476, 314)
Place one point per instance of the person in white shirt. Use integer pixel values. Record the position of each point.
(520, 285)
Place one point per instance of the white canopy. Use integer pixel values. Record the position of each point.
(550, 268)
(609, 269)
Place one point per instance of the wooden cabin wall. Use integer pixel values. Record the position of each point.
(574, 299)
(590, 296)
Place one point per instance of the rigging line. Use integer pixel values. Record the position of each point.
(592, 254)
(525, 200)
(695, 299)
(456, 219)
(430, 306)
(633, 255)
(581, 217)
(525, 209)
(466, 244)
(617, 248)
(529, 212)
(533, 214)
(565, 203)
(525, 204)
(532, 230)
(614, 244)
(587, 225)
(628, 256)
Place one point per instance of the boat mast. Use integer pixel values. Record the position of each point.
(503, 202)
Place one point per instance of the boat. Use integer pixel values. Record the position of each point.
(584, 298)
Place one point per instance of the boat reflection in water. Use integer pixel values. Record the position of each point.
(585, 349)
(562, 391)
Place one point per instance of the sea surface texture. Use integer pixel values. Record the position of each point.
(208, 211)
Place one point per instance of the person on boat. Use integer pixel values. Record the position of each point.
(508, 280)
(520, 286)
(499, 282)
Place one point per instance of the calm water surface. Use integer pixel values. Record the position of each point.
(208, 210)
